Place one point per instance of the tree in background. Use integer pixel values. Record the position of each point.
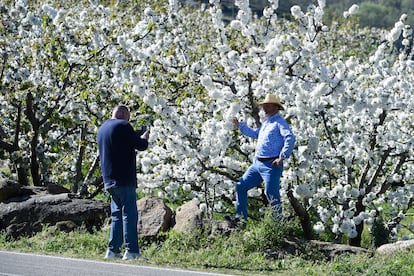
(376, 14)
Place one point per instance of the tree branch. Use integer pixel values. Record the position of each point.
(377, 172)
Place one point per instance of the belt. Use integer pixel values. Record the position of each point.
(264, 159)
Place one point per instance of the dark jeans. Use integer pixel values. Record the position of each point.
(124, 215)
(260, 171)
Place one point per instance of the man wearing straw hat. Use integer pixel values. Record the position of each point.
(275, 143)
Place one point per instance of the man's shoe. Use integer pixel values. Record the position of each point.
(232, 219)
(236, 221)
(112, 255)
(133, 256)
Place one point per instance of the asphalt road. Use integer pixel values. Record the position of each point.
(24, 264)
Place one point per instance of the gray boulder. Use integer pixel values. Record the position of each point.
(8, 189)
(13, 191)
(333, 250)
(25, 210)
(188, 217)
(314, 249)
(392, 248)
(154, 217)
(28, 216)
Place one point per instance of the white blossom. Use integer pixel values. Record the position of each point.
(319, 227)
(352, 10)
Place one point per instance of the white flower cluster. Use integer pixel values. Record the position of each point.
(351, 11)
(304, 191)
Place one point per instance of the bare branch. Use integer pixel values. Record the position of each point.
(377, 172)
(327, 130)
(387, 184)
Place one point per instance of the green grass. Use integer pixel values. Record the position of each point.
(241, 253)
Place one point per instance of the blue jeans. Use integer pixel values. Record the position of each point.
(124, 215)
(255, 174)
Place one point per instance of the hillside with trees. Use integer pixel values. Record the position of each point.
(378, 13)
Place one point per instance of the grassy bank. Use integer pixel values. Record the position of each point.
(241, 253)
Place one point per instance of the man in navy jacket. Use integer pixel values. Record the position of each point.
(118, 142)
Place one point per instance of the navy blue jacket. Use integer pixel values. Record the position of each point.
(117, 142)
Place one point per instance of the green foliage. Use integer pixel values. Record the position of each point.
(379, 232)
(234, 254)
(379, 14)
(79, 243)
(372, 13)
(241, 250)
(269, 233)
(395, 264)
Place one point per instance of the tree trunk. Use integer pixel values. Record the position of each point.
(302, 214)
(34, 163)
(21, 173)
(79, 161)
(357, 240)
(359, 228)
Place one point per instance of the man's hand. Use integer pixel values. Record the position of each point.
(277, 162)
(235, 122)
(145, 135)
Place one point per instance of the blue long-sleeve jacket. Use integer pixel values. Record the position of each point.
(275, 137)
(117, 142)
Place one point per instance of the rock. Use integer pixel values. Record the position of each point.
(55, 189)
(391, 248)
(219, 227)
(188, 217)
(154, 216)
(314, 249)
(8, 189)
(26, 217)
(66, 226)
(332, 250)
(11, 191)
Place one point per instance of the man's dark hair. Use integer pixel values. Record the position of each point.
(121, 112)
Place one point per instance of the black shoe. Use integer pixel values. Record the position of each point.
(236, 221)
(232, 219)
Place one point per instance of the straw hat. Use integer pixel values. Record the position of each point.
(273, 99)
